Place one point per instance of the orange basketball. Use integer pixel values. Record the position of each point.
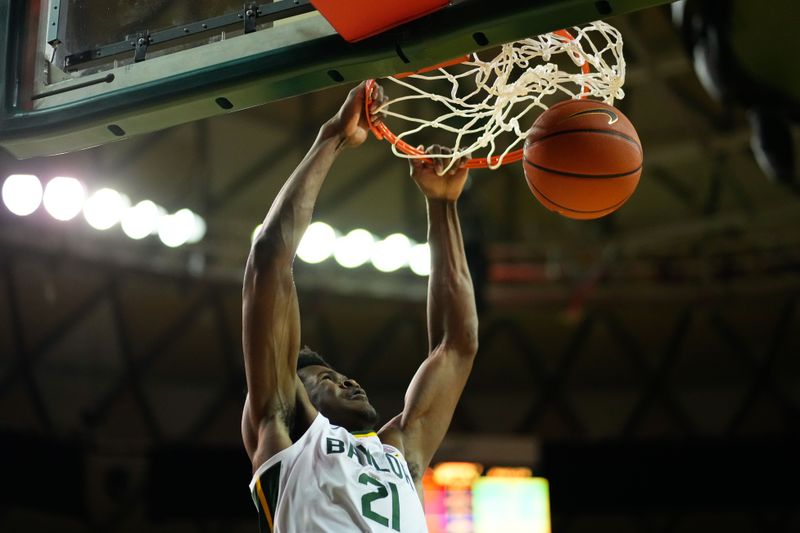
(583, 159)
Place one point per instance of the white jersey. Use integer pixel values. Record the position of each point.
(333, 481)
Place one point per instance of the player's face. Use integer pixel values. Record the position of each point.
(339, 398)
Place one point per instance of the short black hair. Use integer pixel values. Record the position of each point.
(308, 357)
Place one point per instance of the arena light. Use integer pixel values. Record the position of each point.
(354, 249)
(419, 259)
(317, 243)
(172, 231)
(180, 228)
(104, 208)
(22, 194)
(195, 225)
(391, 253)
(321, 241)
(63, 198)
(456, 474)
(141, 220)
(510, 472)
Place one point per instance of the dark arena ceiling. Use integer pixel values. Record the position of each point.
(664, 335)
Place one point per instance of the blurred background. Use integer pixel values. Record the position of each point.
(646, 364)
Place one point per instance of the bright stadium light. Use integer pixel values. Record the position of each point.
(141, 220)
(419, 259)
(104, 208)
(317, 243)
(63, 198)
(173, 231)
(181, 227)
(354, 249)
(195, 225)
(22, 194)
(391, 253)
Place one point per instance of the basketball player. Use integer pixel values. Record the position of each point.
(318, 463)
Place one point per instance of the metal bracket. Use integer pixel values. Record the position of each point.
(250, 12)
(54, 19)
(53, 22)
(143, 40)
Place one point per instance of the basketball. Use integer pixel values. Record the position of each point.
(583, 159)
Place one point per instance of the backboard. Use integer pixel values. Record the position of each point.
(81, 73)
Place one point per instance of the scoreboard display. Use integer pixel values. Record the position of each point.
(458, 499)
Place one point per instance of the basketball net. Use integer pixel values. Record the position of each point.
(488, 99)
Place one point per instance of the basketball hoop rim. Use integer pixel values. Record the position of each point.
(382, 131)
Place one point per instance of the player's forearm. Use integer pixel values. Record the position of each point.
(293, 207)
(452, 317)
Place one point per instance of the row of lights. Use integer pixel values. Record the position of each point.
(354, 249)
(64, 198)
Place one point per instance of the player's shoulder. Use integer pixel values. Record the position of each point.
(392, 434)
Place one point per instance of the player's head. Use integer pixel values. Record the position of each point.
(337, 397)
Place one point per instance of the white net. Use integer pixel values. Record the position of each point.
(481, 103)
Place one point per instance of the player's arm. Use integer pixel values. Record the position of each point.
(270, 310)
(452, 323)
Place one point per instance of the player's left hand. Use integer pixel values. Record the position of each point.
(434, 181)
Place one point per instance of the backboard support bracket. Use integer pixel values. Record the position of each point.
(141, 43)
(54, 22)
(250, 13)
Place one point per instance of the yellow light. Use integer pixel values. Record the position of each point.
(507, 471)
(456, 475)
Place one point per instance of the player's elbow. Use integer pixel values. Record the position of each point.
(471, 341)
(463, 341)
(268, 251)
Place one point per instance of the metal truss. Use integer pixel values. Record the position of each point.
(399, 338)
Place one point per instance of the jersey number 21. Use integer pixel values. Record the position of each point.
(378, 494)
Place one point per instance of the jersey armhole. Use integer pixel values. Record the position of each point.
(286, 453)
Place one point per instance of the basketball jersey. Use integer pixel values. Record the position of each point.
(333, 481)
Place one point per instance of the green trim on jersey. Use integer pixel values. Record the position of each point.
(265, 494)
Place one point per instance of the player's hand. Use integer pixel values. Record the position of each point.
(432, 179)
(350, 123)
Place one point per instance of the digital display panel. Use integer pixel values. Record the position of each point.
(511, 505)
(486, 504)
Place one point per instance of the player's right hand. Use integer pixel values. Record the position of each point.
(433, 180)
(350, 123)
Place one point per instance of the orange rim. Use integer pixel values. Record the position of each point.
(382, 131)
